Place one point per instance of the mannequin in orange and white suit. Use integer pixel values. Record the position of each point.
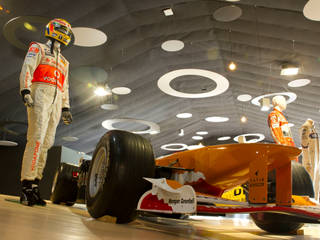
(310, 151)
(278, 123)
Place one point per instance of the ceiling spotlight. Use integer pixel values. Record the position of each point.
(184, 115)
(289, 70)
(243, 119)
(197, 138)
(265, 106)
(29, 27)
(232, 66)
(102, 91)
(181, 133)
(168, 12)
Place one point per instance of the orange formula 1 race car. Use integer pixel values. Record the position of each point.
(124, 179)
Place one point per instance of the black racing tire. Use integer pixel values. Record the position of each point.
(64, 187)
(281, 223)
(115, 183)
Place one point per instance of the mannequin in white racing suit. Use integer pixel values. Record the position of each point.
(45, 91)
(310, 152)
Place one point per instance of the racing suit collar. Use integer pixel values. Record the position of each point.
(56, 45)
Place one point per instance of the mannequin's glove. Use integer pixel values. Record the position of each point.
(26, 98)
(66, 116)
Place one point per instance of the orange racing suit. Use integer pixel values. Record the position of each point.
(44, 75)
(280, 129)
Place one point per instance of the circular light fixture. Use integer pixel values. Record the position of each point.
(121, 90)
(299, 83)
(244, 98)
(243, 119)
(311, 10)
(70, 139)
(170, 147)
(217, 119)
(197, 137)
(202, 133)
(255, 140)
(152, 127)
(227, 14)
(232, 66)
(88, 37)
(154, 132)
(192, 147)
(8, 143)
(101, 92)
(172, 45)
(292, 96)
(221, 81)
(14, 24)
(290, 125)
(109, 106)
(233, 0)
(184, 115)
(224, 138)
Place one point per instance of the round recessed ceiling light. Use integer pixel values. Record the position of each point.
(197, 137)
(121, 90)
(224, 138)
(192, 147)
(311, 10)
(109, 106)
(8, 143)
(202, 133)
(255, 140)
(299, 83)
(221, 81)
(70, 139)
(217, 119)
(292, 96)
(244, 98)
(152, 127)
(184, 115)
(88, 37)
(173, 147)
(233, 0)
(227, 14)
(172, 45)
(32, 23)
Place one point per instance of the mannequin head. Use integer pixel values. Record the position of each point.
(309, 122)
(279, 102)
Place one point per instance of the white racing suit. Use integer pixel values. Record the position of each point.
(45, 76)
(310, 151)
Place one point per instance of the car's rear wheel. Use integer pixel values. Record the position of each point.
(64, 187)
(281, 223)
(115, 183)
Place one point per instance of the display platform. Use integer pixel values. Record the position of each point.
(55, 222)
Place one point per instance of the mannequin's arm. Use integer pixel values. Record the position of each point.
(275, 128)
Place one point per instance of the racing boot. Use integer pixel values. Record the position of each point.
(36, 193)
(27, 195)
